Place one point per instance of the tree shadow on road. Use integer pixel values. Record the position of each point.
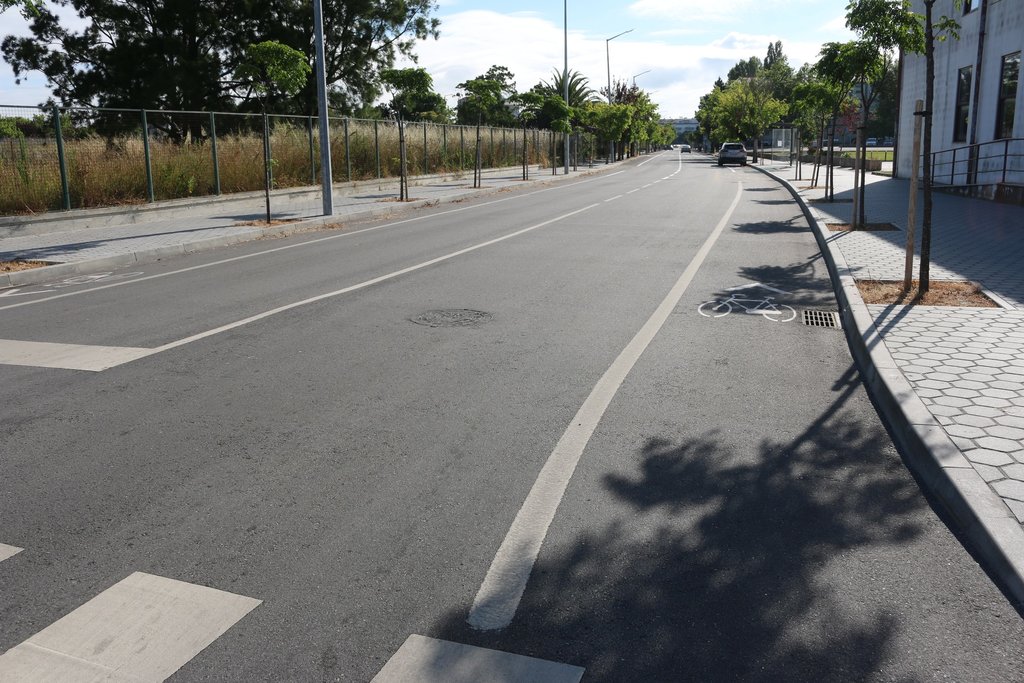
(721, 565)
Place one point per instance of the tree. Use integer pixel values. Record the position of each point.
(579, 88)
(744, 69)
(861, 65)
(28, 8)
(183, 54)
(892, 24)
(486, 98)
(413, 97)
(745, 111)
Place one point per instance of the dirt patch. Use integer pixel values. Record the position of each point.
(263, 224)
(14, 266)
(940, 293)
(867, 227)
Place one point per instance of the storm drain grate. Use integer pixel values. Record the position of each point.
(821, 319)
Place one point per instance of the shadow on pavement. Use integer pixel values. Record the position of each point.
(719, 565)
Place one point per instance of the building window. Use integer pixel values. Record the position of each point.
(963, 104)
(1008, 76)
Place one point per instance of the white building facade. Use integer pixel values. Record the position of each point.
(978, 113)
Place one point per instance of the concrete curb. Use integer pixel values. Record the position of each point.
(979, 514)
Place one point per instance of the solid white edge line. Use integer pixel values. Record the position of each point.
(366, 283)
(308, 242)
(503, 587)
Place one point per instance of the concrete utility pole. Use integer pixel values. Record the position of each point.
(565, 77)
(321, 96)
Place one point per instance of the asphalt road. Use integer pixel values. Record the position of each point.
(725, 502)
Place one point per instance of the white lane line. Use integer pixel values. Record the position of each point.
(143, 628)
(367, 283)
(67, 356)
(498, 598)
(80, 357)
(304, 244)
(8, 551)
(656, 156)
(632, 191)
(428, 660)
(612, 199)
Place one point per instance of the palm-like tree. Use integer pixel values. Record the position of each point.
(579, 90)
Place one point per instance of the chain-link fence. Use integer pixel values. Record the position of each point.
(83, 158)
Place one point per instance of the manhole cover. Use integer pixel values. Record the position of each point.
(821, 319)
(452, 317)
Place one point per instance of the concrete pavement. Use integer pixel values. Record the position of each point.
(949, 380)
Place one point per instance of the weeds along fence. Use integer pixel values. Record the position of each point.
(71, 158)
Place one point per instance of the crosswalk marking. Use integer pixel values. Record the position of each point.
(427, 660)
(7, 551)
(143, 628)
(67, 356)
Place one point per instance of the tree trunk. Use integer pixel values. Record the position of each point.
(929, 101)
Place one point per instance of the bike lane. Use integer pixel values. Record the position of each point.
(740, 512)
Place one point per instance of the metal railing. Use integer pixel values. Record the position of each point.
(985, 163)
(64, 158)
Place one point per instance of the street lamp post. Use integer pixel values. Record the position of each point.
(608, 59)
(326, 182)
(565, 78)
(640, 74)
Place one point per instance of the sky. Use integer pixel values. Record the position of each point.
(675, 48)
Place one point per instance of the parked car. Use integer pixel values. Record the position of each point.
(871, 142)
(684, 148)
(888, 142)
(732, 153)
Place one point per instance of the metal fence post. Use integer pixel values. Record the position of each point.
(312, 160)
(444, 147)
(490, 163)
(62, 162)
(426, 153)
(213, 151)
(376, 146)
(149, 166)
(348, 154)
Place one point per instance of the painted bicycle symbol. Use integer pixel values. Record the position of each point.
(766, 307)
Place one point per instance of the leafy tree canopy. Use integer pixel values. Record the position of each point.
(184, 54)
(486, 98)
(413, 97)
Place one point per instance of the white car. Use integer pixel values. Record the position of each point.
(732, 153)
(684, 148)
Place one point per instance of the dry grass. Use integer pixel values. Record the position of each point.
(940, 293)
(14, 266)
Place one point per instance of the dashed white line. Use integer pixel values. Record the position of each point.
(8, 551)
(612, 199)
(498, 598)
(428, 660)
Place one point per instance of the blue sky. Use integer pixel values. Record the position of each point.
(682, 44)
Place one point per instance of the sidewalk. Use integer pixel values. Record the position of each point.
(950, 381)
(91, 240)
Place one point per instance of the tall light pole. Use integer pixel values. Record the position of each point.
(565, 78)
(608, 59)
(327, 189)
(640, 74)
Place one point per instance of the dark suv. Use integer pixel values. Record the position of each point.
(732, 153)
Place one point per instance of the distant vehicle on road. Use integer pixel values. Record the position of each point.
(871, 142)
(732, 153)
(684, 148)
(888, 142)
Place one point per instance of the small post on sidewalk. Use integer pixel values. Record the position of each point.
(148, 159)
(62, 162)
(915, 167)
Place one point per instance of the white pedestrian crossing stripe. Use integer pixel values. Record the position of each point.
(7, 551)
(67, 356)
(143, 628)
(427, 660)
